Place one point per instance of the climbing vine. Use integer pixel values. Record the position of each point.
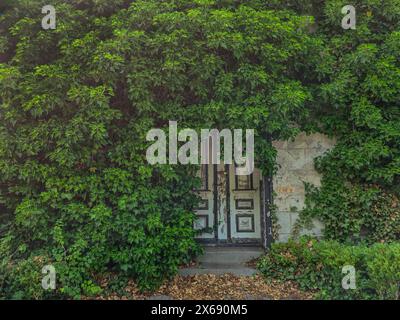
(76, 103)
(357, 100)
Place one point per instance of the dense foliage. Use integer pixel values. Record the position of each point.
(76, 104)
(318, 266)
(357, 100)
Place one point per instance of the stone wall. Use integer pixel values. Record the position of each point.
(296, 165)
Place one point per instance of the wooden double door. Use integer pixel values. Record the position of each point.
(229, 210)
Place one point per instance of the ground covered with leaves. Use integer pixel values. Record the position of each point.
(214, 287)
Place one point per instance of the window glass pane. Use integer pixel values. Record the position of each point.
(243, 182)
(203, 175)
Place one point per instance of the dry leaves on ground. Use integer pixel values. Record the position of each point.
(214, 287)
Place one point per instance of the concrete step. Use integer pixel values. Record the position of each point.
(229, 255)
(244, 271)
(221, 260)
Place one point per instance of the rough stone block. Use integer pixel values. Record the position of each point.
(283, 237)
(290, 203)
(284, 222)
(295, 160)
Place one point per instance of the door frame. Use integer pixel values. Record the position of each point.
(266, 201)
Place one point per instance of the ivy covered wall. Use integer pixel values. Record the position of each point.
(76, 103)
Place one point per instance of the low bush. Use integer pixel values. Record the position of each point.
(318, 265)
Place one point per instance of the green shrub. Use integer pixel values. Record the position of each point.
(317, 265)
